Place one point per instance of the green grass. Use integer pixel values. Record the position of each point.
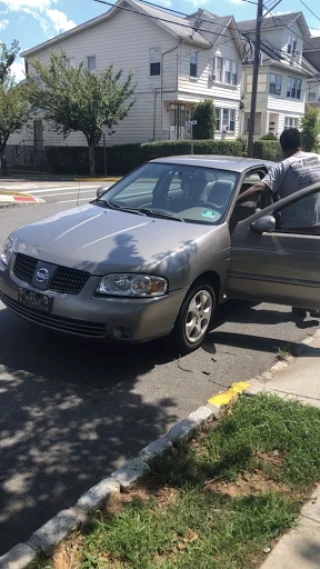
(230, 494)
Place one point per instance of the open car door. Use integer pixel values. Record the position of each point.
(275, 261)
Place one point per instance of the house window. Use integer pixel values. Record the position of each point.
(225, 120)
(275, 84)
(227, 71)
(291, 122)
(218, 120)
(294, 88)
(91, 62)
(234, 70)
(218, 68)
(289, 49)
(70, 62)
(155, 61)
(194, 64)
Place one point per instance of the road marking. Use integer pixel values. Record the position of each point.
(82, 191)
(47, 190)
(227, 396)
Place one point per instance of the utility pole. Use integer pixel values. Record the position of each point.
(256, 64)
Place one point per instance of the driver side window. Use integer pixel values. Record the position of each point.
(302, 216)
(242, 211)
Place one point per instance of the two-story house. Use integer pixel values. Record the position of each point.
(177, 62)
(311, 54)
(283, 76)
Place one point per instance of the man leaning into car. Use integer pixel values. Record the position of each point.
(296, 171)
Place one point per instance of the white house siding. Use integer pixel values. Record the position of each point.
(280, 106)
(125, 41)
(196, 89)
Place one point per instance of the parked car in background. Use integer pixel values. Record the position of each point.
(157, 252)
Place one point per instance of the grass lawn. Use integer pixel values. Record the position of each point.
(220, 502)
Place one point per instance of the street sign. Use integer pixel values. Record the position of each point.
(191, 123)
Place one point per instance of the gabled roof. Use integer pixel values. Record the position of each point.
(175, 25)
(312, 44)
(311, 52)
(271, 22)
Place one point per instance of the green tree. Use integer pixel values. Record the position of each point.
(14, 110)
(73, 99)
(204, 114)
(310, 129)
(7, 58)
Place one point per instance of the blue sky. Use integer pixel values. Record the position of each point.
(34, 21)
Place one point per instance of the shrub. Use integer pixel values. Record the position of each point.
(267, 150)
(269, 136)
(204, 114)
(124, 158)
(310, 129)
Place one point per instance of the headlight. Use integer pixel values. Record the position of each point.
(132, 285)
(6, 252)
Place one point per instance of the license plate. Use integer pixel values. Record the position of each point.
(35, 300)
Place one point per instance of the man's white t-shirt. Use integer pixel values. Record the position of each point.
(291, 175)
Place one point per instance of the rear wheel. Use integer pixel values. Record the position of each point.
(195, 317)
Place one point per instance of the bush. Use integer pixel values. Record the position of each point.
(310, 129)
(124, 158)
(269, 136)
(204, 114)
(267, 150)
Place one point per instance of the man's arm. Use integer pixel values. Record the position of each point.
(251, 193)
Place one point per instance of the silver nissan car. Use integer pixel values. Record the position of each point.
(157, 252)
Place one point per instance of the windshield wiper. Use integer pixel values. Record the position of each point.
(160, 213)
(119, 207)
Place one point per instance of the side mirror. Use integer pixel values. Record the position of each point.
(266, 224)
(100, 191)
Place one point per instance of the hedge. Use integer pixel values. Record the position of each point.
(124, 158)
(267, 150)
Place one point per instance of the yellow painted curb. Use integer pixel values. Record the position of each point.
(227, 396)
(96, 179)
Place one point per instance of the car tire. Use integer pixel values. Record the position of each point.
(195, 317)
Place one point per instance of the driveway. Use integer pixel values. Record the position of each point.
(71, 410)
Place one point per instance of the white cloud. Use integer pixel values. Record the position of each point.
(4, 24)
(60, 21)
(17, 69)
(50, 19)
(315, 33)
(273, 14)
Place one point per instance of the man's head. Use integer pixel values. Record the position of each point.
(290, 141)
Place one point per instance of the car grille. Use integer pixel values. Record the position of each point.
(70, 281)
(69, 325)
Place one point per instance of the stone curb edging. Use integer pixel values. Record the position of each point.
(51, 534)
(18, 199)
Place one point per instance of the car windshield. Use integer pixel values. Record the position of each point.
(174, 191)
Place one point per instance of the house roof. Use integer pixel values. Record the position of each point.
(311, 52)
(271, 22)
(312, 44)
(174, 25)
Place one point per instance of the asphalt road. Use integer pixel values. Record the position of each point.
(66, 193)
(71, 410)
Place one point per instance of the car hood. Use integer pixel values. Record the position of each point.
(100, 240)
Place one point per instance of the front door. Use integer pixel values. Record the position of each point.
(283, 265)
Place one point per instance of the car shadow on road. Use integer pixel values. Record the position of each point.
(70, 411)
(245, 313)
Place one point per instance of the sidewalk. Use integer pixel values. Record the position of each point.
(300, 548)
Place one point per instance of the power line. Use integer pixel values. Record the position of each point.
(311, 12)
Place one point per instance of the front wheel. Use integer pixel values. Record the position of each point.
(195, 317)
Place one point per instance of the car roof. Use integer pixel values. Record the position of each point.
(234, 163)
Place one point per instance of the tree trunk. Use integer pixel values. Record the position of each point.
(3, 162)
(92, 160)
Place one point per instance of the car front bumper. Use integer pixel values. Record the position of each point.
(90, 315)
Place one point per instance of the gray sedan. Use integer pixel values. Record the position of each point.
(157, 252)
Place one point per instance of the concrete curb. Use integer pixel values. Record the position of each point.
(18, 199)
(49, 536)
